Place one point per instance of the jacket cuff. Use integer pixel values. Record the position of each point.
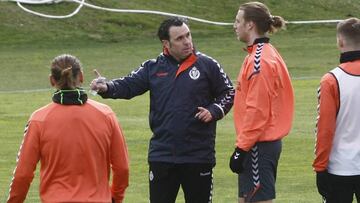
(217, 112)
(107, 94)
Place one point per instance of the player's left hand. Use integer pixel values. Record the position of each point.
(236, 160)
(204, 115)
(322, 183)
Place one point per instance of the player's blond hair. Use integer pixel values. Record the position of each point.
(259, 13)
(65, 69)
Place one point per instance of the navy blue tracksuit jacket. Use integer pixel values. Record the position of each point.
(176, 91)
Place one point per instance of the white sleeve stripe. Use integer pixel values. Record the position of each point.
(222, 110)
(17, 158)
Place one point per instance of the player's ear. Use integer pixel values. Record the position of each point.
(81, 77)
(340, 41)
(52, 80)
(166, 43)
(250, 25)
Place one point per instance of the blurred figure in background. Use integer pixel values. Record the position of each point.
(263, 105)
(77, 141)
(337, 149)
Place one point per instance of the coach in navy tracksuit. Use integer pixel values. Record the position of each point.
(189, 92)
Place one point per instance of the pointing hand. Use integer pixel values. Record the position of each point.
(98, 85)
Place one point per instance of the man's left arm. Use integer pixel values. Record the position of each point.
(223, 92)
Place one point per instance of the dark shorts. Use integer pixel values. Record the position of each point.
(257, 181)
(341, 189)
(165, 179)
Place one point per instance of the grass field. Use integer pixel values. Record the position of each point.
(308, 50)
(27, 69)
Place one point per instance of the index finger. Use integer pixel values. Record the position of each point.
(97, 73)
(201, 108)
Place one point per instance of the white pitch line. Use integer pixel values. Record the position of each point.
(24, 91)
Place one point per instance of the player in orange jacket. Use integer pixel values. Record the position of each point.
(337, 150)
(263, 106)
(77, 141)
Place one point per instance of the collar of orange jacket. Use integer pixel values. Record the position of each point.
(257, 41)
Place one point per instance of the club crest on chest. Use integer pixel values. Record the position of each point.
(194, 73)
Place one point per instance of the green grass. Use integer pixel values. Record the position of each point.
(18, 27)
(27, 68)
(295, 176)
(310, 55)
(115, 44)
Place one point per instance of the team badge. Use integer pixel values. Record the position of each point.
(194, 73)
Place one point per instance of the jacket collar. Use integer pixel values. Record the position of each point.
(257, 41)
(349, 56)
(187, 63)
(70, 96)
(167, 55)
(184, 64)
(261, 40)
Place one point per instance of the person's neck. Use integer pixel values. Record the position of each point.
(77, 85)
(177, 58)
(348, 49)
(180, 60)
(253, 37)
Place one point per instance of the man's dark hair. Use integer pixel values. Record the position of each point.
(163, 32)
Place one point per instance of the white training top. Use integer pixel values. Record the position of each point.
(345, 153)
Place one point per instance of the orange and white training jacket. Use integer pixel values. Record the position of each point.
(337, 146)
(264, 98)
(77, 146)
